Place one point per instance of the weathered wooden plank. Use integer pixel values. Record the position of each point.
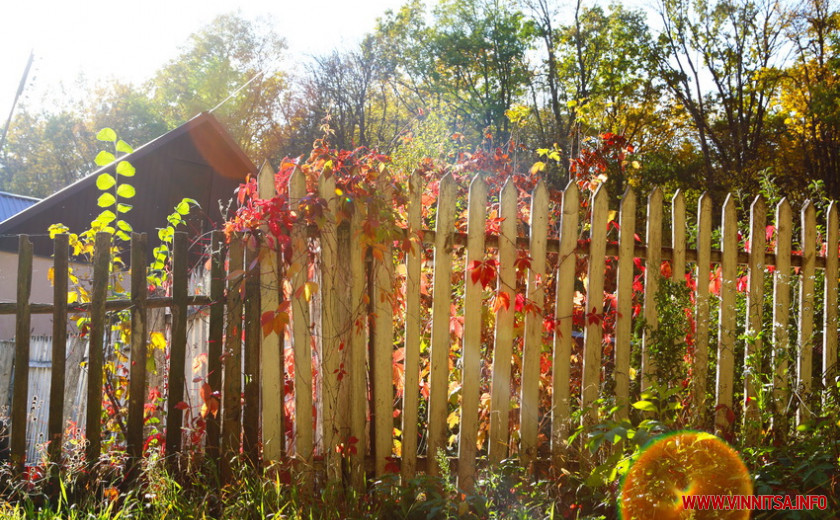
(271, 351)
(139, 338)
(804, 360)
(20, 399)
(383, 344)
(178, 346)
(301, 338)
(215, 333)
(442, 296)
(753, 350)
(411, 393)
(252, 361)
(471, 350)
(831, 295)
(727, 317)
(61, 255)
(529, 407)
(781, 317)
(330, 353)
(652, 274)
(701, 337)
(624, 302)
(357, 370)
(503, 344)
(678, 236)
(232, 393)
(93, 427)
(561, 413)
(594, 330)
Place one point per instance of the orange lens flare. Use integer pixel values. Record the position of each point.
(683, 464)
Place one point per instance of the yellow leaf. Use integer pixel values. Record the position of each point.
(72, 296)
(158, 340)
(453, 419)
(51, 275)
(537, 167)
(309, 288)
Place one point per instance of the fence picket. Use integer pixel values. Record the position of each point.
(653, 237)
(503, 345)
(93, 427)
(442, 297)
(251, 354)
(831, 294)
(561, 412)
(753, 351)
(300, 333)
(61, 254)
(678, 236)
(804, 364)
(271, 344)
(383, 347)
(724, 413)
(701, 338)
(411, 390)
(20, 389)
(529, 403)
(215, 332)
(357, 373)
(139, 338)
(232, 394)
(178, 345)
(781, 314)
(329, 330)
(471, 351)
(594, 310)
(624, 302)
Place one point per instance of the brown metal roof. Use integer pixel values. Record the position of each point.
(198, 160)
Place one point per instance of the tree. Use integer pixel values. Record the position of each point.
(720, 60)
(232, 66)
(810, 88)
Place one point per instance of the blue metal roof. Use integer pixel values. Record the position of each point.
(11, 204)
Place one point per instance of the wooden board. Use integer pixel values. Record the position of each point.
(471, 349)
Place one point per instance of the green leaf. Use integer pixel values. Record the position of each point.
(105, 181)
(122, 235)
(125, 169)
(645, 406)
(183, 207)
(125, 226)
(174, 219)
(106, 217)
(165, 233)
(106, 200)
(124, 208)
(191, 201)
(126, 191)
(107, 134)
(104, 158)
(122, 146)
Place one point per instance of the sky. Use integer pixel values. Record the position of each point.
(129, 40)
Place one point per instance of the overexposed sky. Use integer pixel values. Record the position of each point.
(129, 40)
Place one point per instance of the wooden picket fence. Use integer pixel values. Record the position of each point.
(341, 334)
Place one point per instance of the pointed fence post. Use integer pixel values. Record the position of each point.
(561, 412)
(753, 351)
(473, 308)
(20, 388)
(503, 343)
(624, 302)
(781, 315)
(702, 312)
(724, 413)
